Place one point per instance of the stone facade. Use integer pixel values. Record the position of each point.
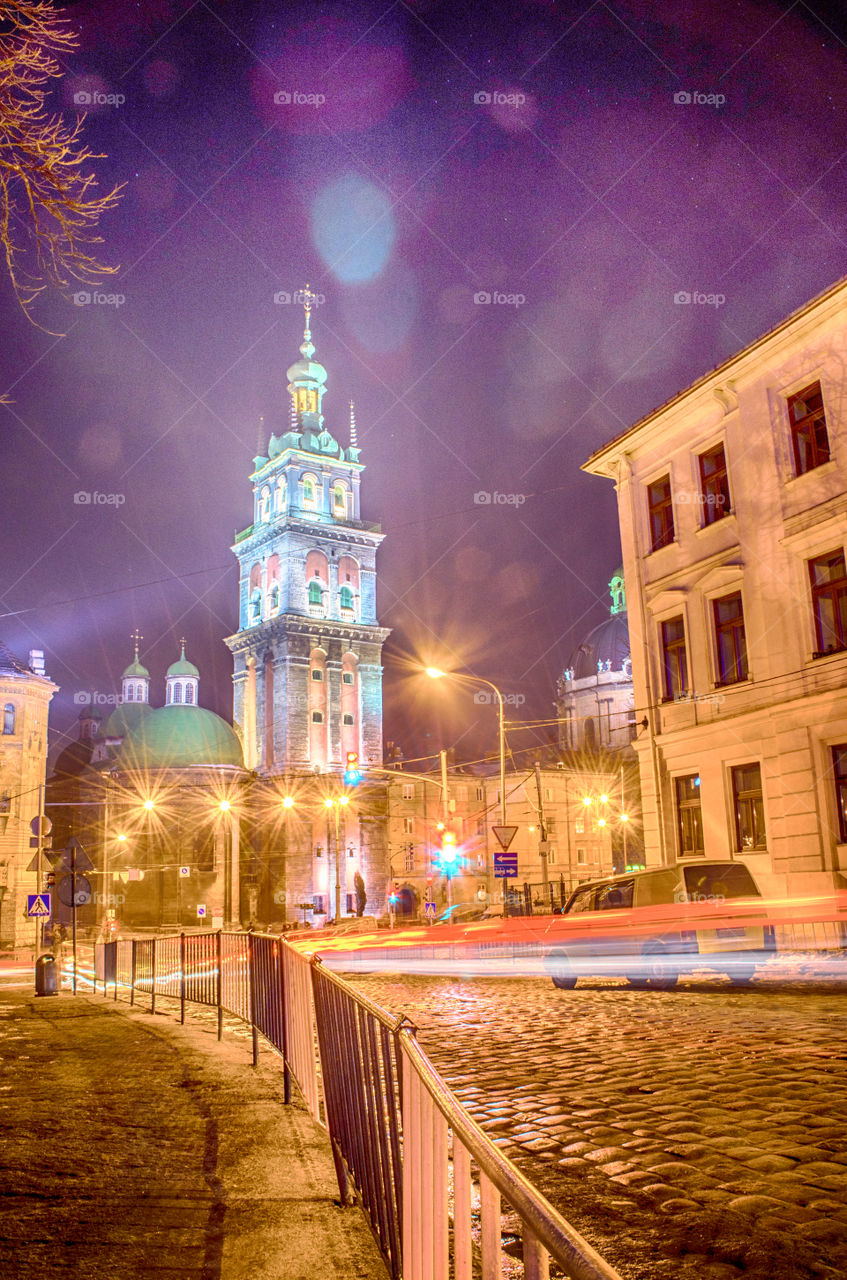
(25, 694)
(733, 520)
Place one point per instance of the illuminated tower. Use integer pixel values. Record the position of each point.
(308, 652)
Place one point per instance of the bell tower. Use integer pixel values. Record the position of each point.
(308, 650)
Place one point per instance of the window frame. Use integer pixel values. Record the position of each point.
(666, 534)
(722, 673)
(839, 776)
(748, 797)
(837, 590)
(682, 810)
(10, 716)
(672, 648)
(714, 489)
(809, 419)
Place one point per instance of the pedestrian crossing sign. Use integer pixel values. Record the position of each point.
(38, 905)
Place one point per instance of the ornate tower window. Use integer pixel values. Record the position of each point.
(9, 718)
(265, 505)
(309, 493)
(316, 599)
(345, 600)
(339, 500)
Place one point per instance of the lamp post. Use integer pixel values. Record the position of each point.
(435, 674)
(332, 806)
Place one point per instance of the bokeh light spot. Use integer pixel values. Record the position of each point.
(353, 228)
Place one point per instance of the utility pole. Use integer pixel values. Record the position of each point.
(543, 846)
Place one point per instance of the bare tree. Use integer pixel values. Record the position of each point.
(49, 207)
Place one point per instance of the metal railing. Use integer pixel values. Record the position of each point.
(395, 1128)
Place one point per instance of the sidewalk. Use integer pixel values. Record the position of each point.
(133, 1146)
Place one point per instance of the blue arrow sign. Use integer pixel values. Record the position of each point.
(37, 905)
(505, 864)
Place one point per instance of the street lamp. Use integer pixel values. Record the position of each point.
(333, 807)
(435, 674)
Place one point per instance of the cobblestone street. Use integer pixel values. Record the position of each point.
(697, 1132)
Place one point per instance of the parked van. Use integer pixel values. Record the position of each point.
(661, 926)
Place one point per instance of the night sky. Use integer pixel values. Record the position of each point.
(587, 197)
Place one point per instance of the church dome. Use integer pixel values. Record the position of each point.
(182, 667)
(136, 671)
(607, 643)
(306, 370)
(125, 717)
(179, 737)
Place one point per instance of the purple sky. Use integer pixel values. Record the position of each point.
(589, 192)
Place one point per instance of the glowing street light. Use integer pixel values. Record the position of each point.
(122, 837)
(149, 804)
(226, 806)
(288, 802)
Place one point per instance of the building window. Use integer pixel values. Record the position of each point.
(689, 816)
(551, 826)
(317, 717)
(409, 858)
(567, 727)
(317, 674)
(5, 804)
(829, 601)
(177, 693)
(130, 693)
(350, 907)
(714, 485)
(581, 859)
(346, 599)
(347, 677)
(749, 808)
(265, 504)
(808, 429)
(408, 790)
(839, 770)
(551, 855)
(274, 599)
(318, 908)
(580, 822)
(730, 639)
(309, 493)
(256, 605)
(189, 694)
(480, 793)
(660, 508)
(139, 693)
(347, 718)
(604, 706)
(9, 718)
(674, 658)
(315, 593)
(408, 826)
(339, 498)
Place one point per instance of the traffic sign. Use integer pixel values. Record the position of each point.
(38, 905)
(429, 910)
(505, 865)
(201, 910)
(76, 856)
(82, 891)
(504, 836)
(41, 826)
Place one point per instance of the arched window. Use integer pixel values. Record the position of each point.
(273, 599)
(315, 593)
(189, 694)
(177, 692)
(130, 693)
(265, 504)
(9, 718)
(139, 693)
(309, 499)
(346, 599)
(339, 498)
(281, 493)
(256, 605)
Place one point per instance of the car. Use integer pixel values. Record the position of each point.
(462, 913)
(658, 923)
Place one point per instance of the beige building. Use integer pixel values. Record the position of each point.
(732, 501)
(25, 693)
(583, 840)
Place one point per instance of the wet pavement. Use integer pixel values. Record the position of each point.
(700, 1132)
(133, 1146)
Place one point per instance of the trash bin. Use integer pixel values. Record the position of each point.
(46, 976)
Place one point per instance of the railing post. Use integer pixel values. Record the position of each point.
(115, 944)
(153, 982)
(132, 972)
(219, 993)
(251, 979)
(536, 1260)
(182, 978)
(283, 1007)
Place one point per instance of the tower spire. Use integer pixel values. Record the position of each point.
(137, 637)
(354, 441)
(307, 347)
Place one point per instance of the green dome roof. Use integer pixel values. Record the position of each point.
(125, 717)
(136, 670)
(178, 737)
(182, 667)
